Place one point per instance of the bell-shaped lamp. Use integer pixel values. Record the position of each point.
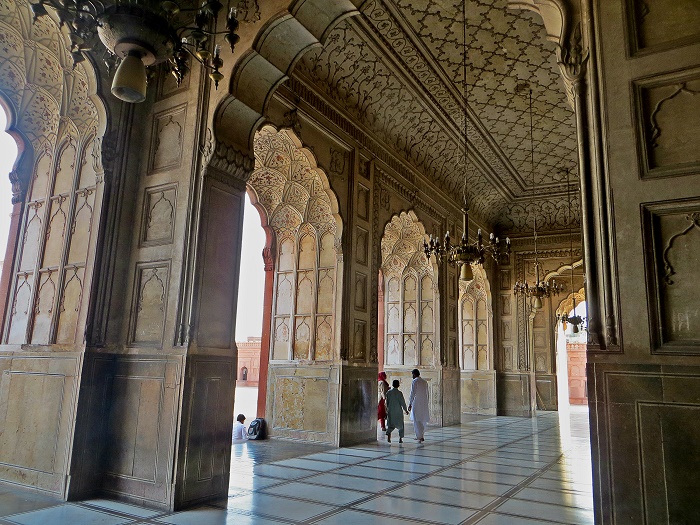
(129, 82)
(536, 303)
(466, 273)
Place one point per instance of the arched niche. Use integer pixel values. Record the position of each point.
(411, 296)
(58, 120)
(301, 215)
(476, 323)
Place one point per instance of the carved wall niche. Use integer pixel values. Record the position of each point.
(476, 323)
(410, 295)
(363, 202)
(150, 298)
(360, 291)
(167, 139)
(361, 245)
(505, 280)
(302, 210)
(360, 343)
(672, 245)
(656, 25)
(158, 217)
(668, 124)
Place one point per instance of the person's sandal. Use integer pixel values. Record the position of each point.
(400, 440)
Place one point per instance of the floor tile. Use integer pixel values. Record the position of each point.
(379, 473)
(211, 516)
(556, 497)
(404, 466)
(329, 495)
(443, 496)
(251, 482)
(122, 508)
(502, 519)
(465, 485)
(277, 507)
(418, 509)
(531, 509)
(352, 482)
(67, 513)
(308, 464)
(354, 517)
(14, 502)
(276, 471)
(480, 475)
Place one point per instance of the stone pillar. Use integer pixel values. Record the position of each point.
(204, 434)
(10, 250)
(268, 257)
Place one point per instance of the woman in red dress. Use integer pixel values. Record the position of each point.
(381, 406)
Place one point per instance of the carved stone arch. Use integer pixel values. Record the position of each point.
(281, 42)
(280, 187)
(410, 338)
(40, 95)
(567, 304)
(563, 270)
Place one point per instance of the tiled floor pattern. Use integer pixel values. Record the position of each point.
(491, 471)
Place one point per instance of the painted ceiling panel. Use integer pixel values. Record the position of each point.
(398, 70)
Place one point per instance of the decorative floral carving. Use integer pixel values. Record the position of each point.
(694, 219)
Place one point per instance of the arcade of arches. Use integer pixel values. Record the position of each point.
(344, 122)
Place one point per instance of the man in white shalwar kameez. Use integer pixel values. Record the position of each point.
(418, 404)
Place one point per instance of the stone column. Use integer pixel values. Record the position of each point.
(10, 250)
(204, 433)
(268, 257)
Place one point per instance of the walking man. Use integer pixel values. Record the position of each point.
(418, 404)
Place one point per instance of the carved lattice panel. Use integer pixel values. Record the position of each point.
(409, 295)
(292, 192)
(56, 112)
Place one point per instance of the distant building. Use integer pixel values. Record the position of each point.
(248, 362)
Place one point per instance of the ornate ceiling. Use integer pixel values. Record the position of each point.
(397, 70)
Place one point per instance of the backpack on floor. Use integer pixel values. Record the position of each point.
(256, 429)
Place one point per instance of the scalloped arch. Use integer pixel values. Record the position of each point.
(67, 93)
(567, 304)
(404, 229)
(269, 194)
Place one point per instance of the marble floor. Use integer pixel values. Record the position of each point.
(490, 471)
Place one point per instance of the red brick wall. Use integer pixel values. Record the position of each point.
(577, 373)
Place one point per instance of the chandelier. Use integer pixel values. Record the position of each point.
(465, 254)
(576, 321)
(540, 289)
(141, 34)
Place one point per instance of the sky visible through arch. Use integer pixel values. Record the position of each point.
(252, 279)
(8, 155)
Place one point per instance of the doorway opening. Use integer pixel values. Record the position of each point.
(572, 387)
(249, 317)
